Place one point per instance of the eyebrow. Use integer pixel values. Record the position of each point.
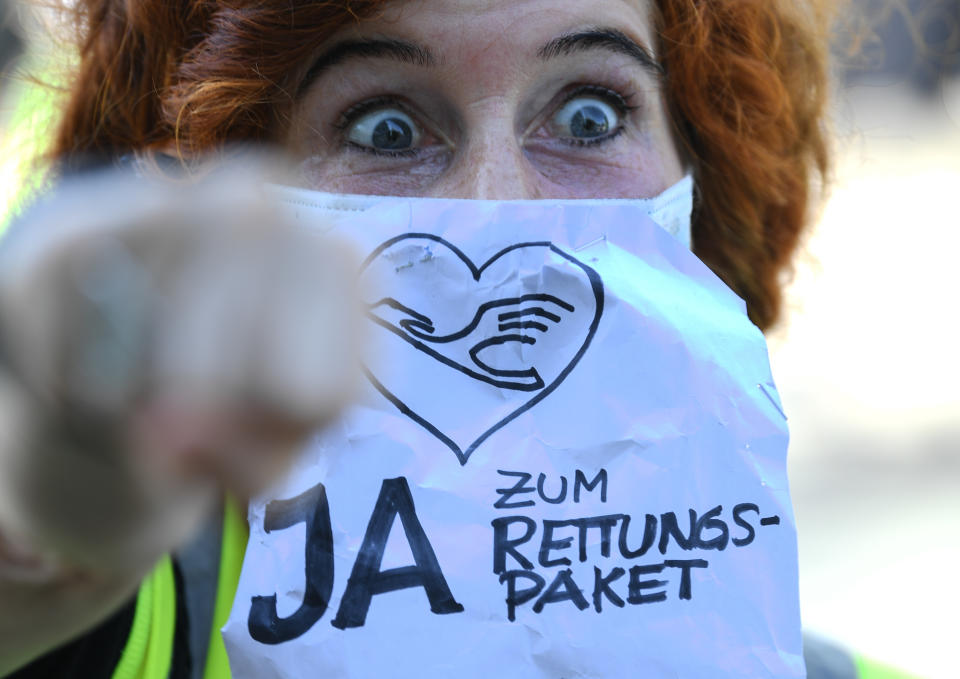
(368, 48)
(604, 39)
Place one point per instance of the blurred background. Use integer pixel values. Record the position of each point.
(866, 360)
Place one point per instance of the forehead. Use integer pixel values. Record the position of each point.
(488, 28)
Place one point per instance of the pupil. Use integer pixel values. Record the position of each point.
(392, 134)
(589, 121)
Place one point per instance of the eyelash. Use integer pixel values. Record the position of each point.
(620, 102)
(348, 117)
(380, 153)
(357, 111)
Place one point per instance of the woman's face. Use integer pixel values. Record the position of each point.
(496, 99)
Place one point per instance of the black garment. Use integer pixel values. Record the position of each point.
(95, 655)
(826, 660)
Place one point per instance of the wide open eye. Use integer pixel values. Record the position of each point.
(586, 118)
(386, 130)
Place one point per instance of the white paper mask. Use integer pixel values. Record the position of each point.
(570, 462)
(671, 210)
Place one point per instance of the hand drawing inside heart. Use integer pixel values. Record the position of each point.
(469, 348)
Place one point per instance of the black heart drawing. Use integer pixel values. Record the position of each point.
(488, 331)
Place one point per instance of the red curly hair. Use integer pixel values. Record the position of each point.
(746, 86)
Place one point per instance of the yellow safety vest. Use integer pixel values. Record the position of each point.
(149, 649)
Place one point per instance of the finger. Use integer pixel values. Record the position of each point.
(107, 300)
(243, 451)
(256, 348)
(308, 338)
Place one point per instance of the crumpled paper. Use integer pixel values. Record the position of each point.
(569, 461)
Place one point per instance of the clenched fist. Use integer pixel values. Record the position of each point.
(160, 341)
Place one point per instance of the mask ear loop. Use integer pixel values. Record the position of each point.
(673, 210)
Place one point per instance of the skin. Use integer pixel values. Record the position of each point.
(488, 90)
(175, 341)
(485, 101)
